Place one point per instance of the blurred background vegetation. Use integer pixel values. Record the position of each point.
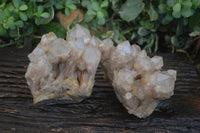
(155, 25)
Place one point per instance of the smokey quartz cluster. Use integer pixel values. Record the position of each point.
(137, 80)
(63, 69)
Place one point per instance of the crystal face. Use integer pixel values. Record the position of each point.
(63, 69)
(137, 80)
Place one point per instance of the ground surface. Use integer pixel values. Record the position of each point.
(102, 112)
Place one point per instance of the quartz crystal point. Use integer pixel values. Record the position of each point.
(137, 80)
(63, 69)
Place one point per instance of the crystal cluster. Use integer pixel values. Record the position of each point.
(137, 80)
(63, 69)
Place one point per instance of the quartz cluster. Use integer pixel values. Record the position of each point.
(137, 80)
(64, 69)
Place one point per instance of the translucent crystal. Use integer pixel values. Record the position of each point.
(137, 80)
(63, 69)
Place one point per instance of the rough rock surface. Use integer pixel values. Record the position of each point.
(63, 69)
(137, 80)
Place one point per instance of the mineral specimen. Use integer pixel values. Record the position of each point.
(62, 69)
(137, 80)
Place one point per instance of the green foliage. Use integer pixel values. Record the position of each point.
(16, 13)
(57, 28)
(96, 10)
(66, 5)
(131, 9)
(20, 18)
(153, 24)
(164, 22)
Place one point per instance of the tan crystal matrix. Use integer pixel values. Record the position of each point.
(137, 80)
(63, 69)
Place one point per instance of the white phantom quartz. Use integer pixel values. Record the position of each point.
(137, 80)
(64, 69)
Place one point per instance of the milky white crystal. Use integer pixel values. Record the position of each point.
(63, 69)
(137, 80)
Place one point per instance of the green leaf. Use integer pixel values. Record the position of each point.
(91, 12)
(101, 21)
(19, 23)
(133, 36)
(10, 7)
(162, 8)
(23, 7)
(37, 21)
(45, 15)
(167, 19)
(49, 4)
(195, 4)
(176, 14)
(174, 41)
(171, 3)
(177, 10)
(105, 13)
(85, 3)
(23, 16)
(40, 9)
(67, 11)
(104, 4)
(72, 6)
(95, 6)
(31, 10)
(57, 28)
(10, 23)
(150, 42)
(152, 13)
(142, 31)
(2, 5)
(141, 41)
(147, 24)
(59, 5)
(68, 2)
(88, 18)
(3, 31)
(50, 10)
(187, 3)
(5, 26)
(131, 9)
(11, 18)
(16, 3)
(177, 7)
(100, 14)
(187, 12)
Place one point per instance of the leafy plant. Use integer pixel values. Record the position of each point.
(20, 18)
(169, 21)
(131, 9)
(153, 24)
(66, 5)
(58, 29)
(96, 10)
